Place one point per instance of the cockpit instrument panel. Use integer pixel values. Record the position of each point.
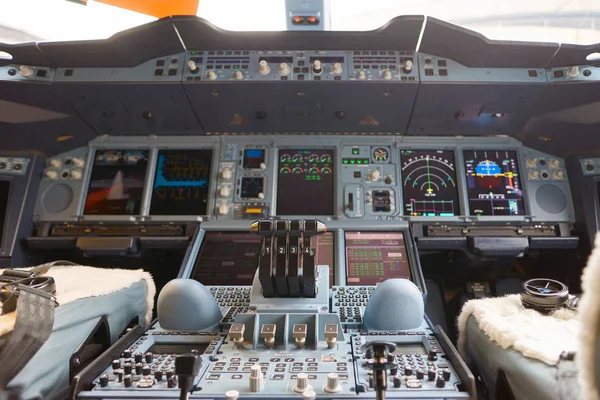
(429, 183)
(116, 184)
(181, 182)
(493, 182)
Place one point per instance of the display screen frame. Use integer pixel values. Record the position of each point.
(4, 217)
(334, 189)
(153, 164)
(149, 175)
(522, 181)
(458, 177)
(414, 266)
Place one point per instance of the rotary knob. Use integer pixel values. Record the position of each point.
(225, 191)
(531, 162)
(317, 68)
(263, 166)
(211, 75)
(26, 71)
(103, 380)
(263, 68)
(76, 174)
(78, 162)
(337, 68)
(408, 64)
(256, 381)
(302, 383)
(333, 384)
(223, 209)
(239, 75)
(51, 174)
(232, 395)
(387, 75)
(284, 69)
(55, 163)
(554, 163)
(558, 174)
(193, 67)
(533, 175)
(261, 195)
(573, 71)
(226, 174)
(374, 176)
(362, 75)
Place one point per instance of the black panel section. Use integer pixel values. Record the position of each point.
(469, 108)
(124, 49)
(132, 109)
(472, 49)
(401, 33)
(24, 53)
(573, 54)
(298, 107)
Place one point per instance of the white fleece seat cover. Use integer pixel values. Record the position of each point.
(532, 334)
(80, 282)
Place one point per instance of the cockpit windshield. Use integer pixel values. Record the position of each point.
(562, 21)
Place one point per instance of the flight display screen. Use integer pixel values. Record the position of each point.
(117, 182)
(373, 257)
(4, 191)
(181, 182)
(305, 182)
(231, 258)
(493, 182)
(429, 183)
(253, 158)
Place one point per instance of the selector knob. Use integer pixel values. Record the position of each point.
(146, 370)
(127, 354)
(374, 176)
(284, 69)
(302, 383)
(431, 375)
(573, 71)
(116, 364)
(263, 166)
(193, 67)
(55, 163)
(148, 357)
(76, 174)
(158, 375)
(211, 75)
(223, 209)
(362, 75)
(263, 68)
(171, 382)
(432, 355)
(554, 163)
(127, 381)
(103, 380)
(408, 66)
(440, 382)
(446, 374)
(232, 395)
(139, 367)
(127, 368)
(558, 174)
(261, 195)
(138, 357)
(51, 174)
(317, 68)
(226, 174)
(387, 75)
(239, 75)
(309, 395)
(420, 374)
(257, 382)
(337, 68)
(78, 162)
(333, 384)
(397, 382)
(26, 71)
(224, 191)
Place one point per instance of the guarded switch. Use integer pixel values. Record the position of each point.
(236, 333)
(299, 334)
(331, 334)
(267, 332)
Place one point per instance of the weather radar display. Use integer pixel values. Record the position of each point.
(493, 183)
(429, 183)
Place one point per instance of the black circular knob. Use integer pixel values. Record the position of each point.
(146, 370)
(127, 380)
(148, 357)
(2, 165)
(446, 374)
(388, 180)
(431, 375)
(120, 374)
(139, 357)
(440, 382)
(127, 354)
(587, 72)
(432, 355)
(103, 380)
(339, 114)
(171, 383)
(147, 115)
(12, 72)
(590, 167)
(397, 381)
(394, 371)
(138, 368)
(390, 358)
(158, 375)
(420, 374)
(369, 354)
(370, 381)
(116, 364)
(170, 374)
(408, 372)
(127, 368)
(18, 167)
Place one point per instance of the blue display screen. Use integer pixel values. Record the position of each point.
(253, 158)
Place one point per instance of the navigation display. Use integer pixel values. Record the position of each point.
(4, 191)
(305, 182)
(493, 183)
(373, 257)
(253, 158)
(429, 183)
(181, 182)
(231, 258)
(117, 182)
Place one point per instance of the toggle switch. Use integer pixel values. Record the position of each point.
(299, 334)
(236, 333)
(331, 334)
(267, 332)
